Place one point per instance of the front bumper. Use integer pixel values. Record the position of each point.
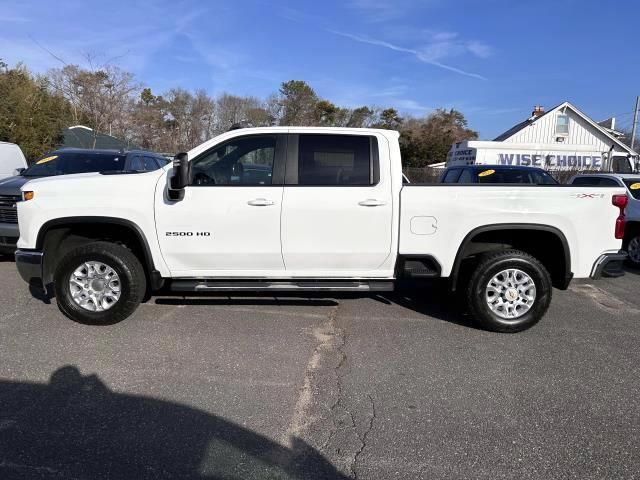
(8, 237)
(609, 265)
(29, 264)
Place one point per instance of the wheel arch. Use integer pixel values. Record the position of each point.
(92, 227)
(561, 274)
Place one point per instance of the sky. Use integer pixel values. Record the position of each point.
(491, 59)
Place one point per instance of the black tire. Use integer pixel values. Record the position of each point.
(489, 266)
(119, 258)
(632, 245)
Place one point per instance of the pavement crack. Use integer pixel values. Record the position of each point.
(326, 416)
(304, 415)
(363, 438)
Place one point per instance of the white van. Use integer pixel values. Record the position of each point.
(11, 159)
(547, 156)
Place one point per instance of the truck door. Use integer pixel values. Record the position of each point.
(228, 223)
(337, 208)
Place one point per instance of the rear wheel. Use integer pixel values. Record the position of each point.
(99, 283)
(509, 291)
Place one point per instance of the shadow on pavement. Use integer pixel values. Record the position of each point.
(433, 300)
(75, 427)
(631, 269)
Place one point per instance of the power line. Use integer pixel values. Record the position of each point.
(635, 122)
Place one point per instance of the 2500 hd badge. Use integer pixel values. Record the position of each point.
(188, 234)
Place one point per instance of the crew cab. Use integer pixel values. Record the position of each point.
(631, 183)
(309, 209)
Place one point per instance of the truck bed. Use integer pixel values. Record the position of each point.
(436, 219)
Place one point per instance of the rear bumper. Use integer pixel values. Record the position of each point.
(29, 264)
(609, 265)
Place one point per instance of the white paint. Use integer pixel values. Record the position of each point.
(587, 222)
(242, 239)
(318, 232)
(334, 230)
(424, 225)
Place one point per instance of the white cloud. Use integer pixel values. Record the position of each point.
(410, 105)
(479, 49)
(431, 54)
(385, 10)
(11, 18)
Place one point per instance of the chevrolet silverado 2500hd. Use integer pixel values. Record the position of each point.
(309, 209)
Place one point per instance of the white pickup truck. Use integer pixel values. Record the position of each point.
(309, 209)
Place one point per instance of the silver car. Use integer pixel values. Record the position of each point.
(632, 213)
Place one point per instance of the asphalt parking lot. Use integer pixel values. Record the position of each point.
(290, 387)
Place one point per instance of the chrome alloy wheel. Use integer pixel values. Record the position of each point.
(510, 293)
(633, 249)
(95, 286)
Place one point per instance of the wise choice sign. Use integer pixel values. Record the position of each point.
(551, 160)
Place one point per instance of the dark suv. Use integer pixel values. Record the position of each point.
(497, 174)
(64, 162)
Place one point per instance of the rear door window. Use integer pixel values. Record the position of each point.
(335, 160)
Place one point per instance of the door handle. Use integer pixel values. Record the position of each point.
(372, 202)
(260, 202)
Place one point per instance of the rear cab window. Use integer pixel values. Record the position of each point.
(594, 181)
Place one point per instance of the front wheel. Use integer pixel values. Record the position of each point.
(99, 283)
(509, 291)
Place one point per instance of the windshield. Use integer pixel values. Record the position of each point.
(537, 177)
(64, 163)
(633, 186)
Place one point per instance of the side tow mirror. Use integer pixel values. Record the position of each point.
(180, 177)
(18, 171)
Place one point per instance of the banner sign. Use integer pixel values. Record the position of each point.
(550, 161)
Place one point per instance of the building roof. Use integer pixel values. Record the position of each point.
(513, 130)
(80, 136)
(531, 120)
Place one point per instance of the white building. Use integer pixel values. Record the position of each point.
(563, 137)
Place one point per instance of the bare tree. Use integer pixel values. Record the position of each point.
(98, 96)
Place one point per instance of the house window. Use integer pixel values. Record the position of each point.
(562, 125)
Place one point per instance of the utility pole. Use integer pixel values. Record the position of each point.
(635, 122)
